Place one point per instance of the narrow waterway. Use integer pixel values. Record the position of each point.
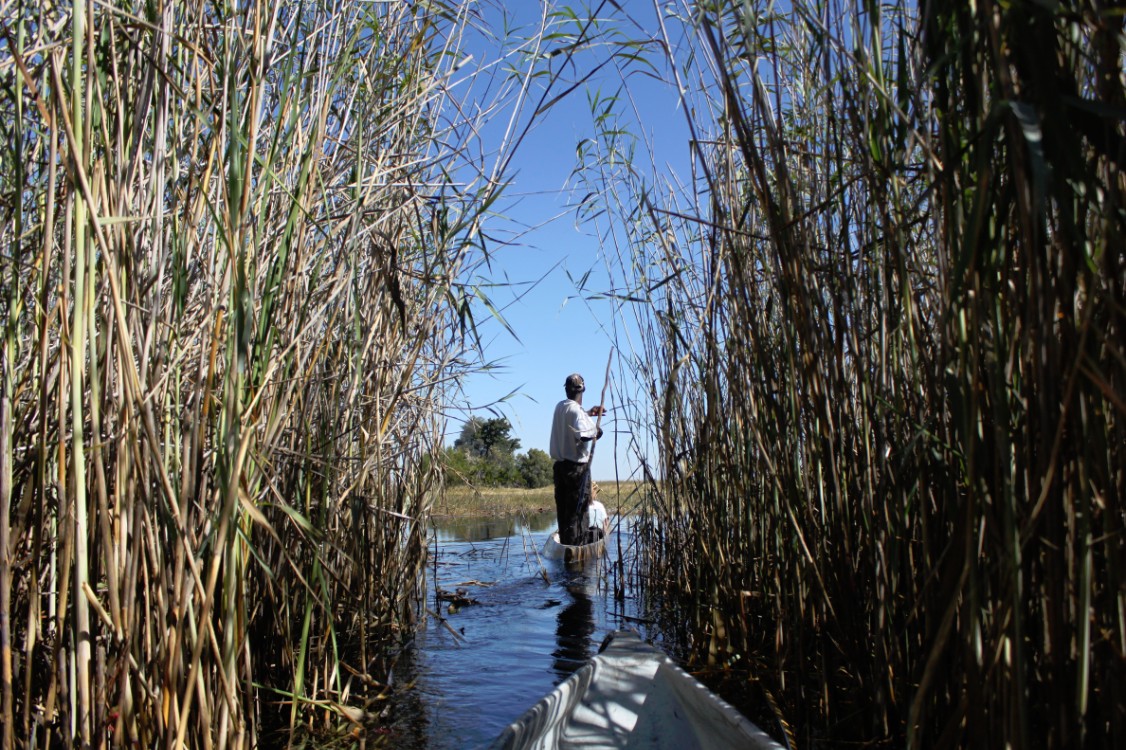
(522, 625)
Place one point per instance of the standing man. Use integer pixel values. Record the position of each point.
(572, 437)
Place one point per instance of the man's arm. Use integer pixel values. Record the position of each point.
(597, 411)
(586, 439)
(584, 428)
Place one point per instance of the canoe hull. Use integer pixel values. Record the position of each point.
(553, 549)
(632, 696)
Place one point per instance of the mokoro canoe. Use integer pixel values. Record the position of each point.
(554, 550)
(632, 696)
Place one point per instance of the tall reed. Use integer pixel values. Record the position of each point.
(882, 328)
(237, 239)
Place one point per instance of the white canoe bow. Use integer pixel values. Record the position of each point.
(553, 549)
(632, 696)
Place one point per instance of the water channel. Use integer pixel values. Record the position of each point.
(531, 623)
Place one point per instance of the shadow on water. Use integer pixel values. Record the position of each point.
(507, 629)
(575, 626)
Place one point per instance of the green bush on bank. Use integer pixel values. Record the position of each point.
(484, 455)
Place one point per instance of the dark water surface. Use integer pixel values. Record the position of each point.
(534, 623)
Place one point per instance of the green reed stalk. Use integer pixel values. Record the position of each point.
(79, 327)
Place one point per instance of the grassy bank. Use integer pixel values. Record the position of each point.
(463, 500)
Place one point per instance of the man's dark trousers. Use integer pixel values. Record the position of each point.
(572, 495)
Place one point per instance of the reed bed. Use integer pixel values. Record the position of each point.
(882, 329)
(237, 239)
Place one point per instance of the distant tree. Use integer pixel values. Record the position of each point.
(487, 437)
(535, 468)
(499, 470)
(484, 454)
(469, 441)
(496, 437)
(459, 466)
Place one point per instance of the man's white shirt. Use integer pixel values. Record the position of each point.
(568, 427)
(596, 515)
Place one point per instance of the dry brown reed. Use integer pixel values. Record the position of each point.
(884, 331)
(235, 240)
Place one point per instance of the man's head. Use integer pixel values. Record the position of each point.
(574, 385)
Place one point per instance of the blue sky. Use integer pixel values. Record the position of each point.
(557, 329)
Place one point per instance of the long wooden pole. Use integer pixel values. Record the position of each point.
(601, 403)
(597, 427)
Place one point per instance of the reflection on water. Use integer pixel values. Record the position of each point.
(573, 631)
(480, 529)
(479, 666)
